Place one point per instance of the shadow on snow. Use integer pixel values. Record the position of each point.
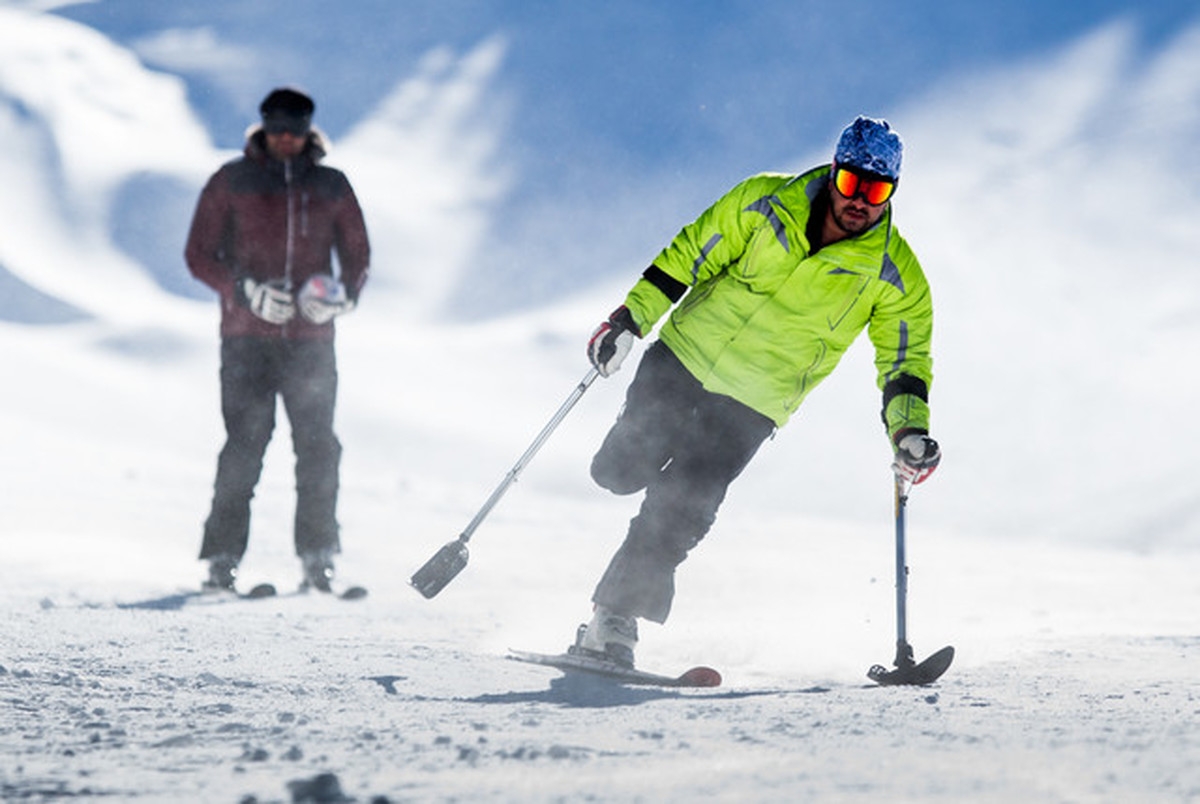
(596, 692)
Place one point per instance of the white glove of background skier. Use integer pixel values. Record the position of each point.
(322, 298)
(917, 455)
(270, 301)
(611, 341)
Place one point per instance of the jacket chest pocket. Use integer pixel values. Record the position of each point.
(766, 264)
(830, 298)
(845, 305)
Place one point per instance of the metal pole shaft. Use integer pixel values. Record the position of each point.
(901, 566)
(524, 460)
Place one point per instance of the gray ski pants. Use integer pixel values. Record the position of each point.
(684, 446)
(254, 373)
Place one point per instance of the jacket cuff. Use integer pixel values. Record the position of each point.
(671, 287)
(647, 304)
(905, 414)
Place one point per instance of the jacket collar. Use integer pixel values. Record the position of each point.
(314, 151)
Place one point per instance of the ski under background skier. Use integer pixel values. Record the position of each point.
(769, 287)
(264, 231)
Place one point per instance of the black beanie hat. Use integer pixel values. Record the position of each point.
(286, 109)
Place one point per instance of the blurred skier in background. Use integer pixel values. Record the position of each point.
(769, 286)
(264, 231)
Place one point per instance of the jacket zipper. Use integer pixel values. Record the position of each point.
(289, 245)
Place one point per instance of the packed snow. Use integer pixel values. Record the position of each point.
(1056, 548)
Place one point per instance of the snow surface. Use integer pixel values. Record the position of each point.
(1055, 549)
(1074, 679)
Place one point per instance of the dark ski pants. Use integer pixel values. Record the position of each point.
(684, 446)
(254, 371)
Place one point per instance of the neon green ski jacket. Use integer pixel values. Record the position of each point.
(763, 320)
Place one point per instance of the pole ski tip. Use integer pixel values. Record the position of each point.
(919, 675)
(441, 569)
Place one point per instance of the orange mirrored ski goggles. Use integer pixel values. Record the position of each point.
(875, 190)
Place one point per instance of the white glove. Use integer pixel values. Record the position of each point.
(917, 455)
(322, 298)
(271, 301)
(611, 341)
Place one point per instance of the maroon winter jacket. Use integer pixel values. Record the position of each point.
(266, 219)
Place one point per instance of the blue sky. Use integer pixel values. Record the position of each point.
(613, 104)
(657, 80)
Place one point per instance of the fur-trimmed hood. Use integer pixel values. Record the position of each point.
(315, 149)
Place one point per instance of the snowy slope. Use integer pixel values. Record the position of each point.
(82, 122)
(1073, 680)
(1056, 548)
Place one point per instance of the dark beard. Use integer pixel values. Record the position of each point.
(841, 224)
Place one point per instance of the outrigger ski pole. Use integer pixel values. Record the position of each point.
(452, 558)
(907, 670)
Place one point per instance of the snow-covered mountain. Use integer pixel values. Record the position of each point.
(106, 160)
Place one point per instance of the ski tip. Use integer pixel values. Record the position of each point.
(701, 677)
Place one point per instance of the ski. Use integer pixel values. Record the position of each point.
(354, 592)
(211, 595)
(338, 592)
(202, 596)
(259, 591)
(579, 663)
(334, 591)
(265, 590)
(349, 592)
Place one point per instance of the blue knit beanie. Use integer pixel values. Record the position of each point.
(870, 145)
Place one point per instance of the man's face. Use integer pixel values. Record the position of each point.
(285, 145)
(853, 215)
(849, 207)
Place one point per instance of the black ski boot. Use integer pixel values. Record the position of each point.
(222, 572)
(318, 570)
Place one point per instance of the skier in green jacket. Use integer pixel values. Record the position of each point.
(769, 286)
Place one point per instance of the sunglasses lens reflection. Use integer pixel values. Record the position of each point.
(875, 191)
(878, 191)
(846, 182)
